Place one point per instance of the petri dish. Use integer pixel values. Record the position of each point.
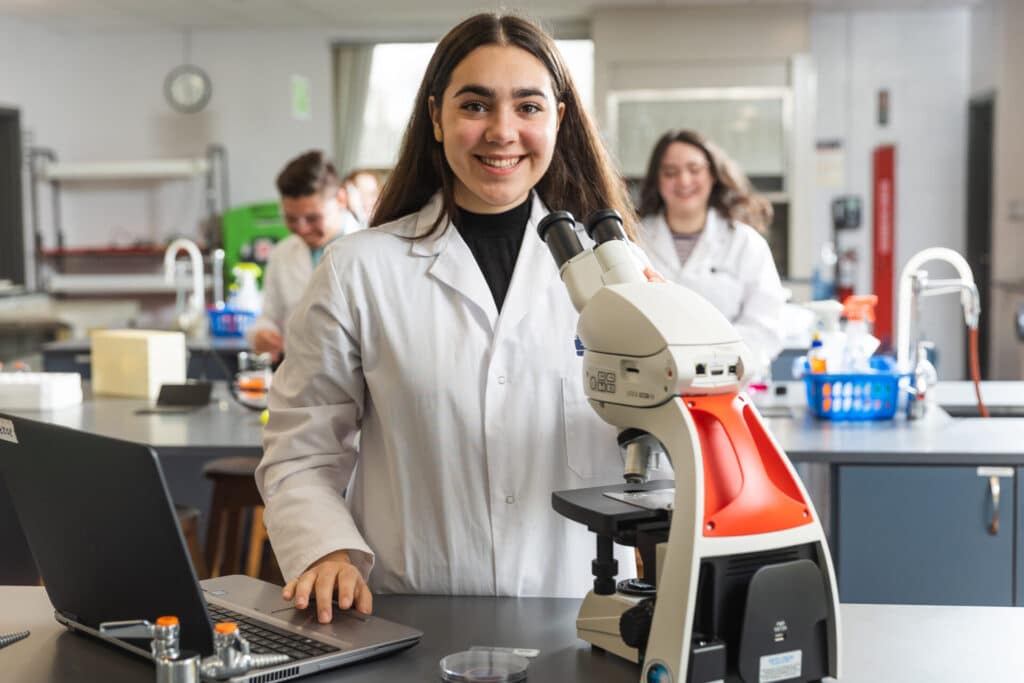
(483, 666)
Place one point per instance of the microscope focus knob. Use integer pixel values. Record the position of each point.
(635, 624)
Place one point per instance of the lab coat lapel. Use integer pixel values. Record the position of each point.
(534, 273)
(454, 265)
(662, 249)
(702, 258)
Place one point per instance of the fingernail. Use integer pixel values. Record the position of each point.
(346, 603)
(325, 616)
(300, 603)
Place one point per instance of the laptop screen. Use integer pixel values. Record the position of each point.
(102, 528)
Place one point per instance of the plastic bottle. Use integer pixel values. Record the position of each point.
(816, 357)
(826, 328)
(860, 343)
(245, 295)
(823, 279)
(922, 383)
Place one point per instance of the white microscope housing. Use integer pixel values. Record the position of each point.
(745, 589)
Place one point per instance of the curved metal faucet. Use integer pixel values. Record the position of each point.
(189, 321)
(914, 283)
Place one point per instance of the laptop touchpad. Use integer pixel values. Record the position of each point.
(307, 617)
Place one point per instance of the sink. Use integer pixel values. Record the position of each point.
(993, 411)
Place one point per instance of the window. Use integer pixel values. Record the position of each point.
(395, 74)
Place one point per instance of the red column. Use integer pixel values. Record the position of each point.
(883, 221)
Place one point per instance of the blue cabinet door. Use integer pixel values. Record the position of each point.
(1018, 594)
(922, 535)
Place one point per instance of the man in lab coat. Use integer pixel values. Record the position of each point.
(315, 209)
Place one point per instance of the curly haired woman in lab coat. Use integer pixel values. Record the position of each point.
(445, 335)
(702, 225)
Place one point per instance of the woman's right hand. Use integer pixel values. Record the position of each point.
(268, 341)
(331, 572)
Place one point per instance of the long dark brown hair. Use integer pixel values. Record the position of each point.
(581, 178)
(731, 192)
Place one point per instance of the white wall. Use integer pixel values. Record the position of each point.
(921, 57)
(94, 96)
(983, 65)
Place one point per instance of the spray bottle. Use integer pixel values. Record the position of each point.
(245, 294)
(859, 311)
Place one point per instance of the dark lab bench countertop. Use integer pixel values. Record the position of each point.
(880, 643)
(938, 439)
(223, 427)
(210, 357)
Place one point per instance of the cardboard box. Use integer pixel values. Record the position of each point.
(136, 362)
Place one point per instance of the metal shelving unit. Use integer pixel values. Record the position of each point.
(46, 169)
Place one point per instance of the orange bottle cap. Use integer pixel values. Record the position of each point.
(226, 627)
(167, 621)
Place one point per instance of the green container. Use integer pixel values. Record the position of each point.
(250, 232)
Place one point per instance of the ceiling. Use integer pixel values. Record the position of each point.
(339, 14)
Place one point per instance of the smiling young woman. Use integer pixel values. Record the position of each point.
(701, 227)
(444, 338)
(579, 176)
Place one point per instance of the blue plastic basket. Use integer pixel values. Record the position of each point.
(855, 396)
(228, 322)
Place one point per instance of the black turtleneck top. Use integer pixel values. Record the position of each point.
(494, 239)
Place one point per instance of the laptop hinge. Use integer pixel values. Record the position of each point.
(67, 615)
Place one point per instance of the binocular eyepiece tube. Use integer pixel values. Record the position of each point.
(605, 225)
(558, 230)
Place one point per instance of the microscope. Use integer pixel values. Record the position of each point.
(737, 582)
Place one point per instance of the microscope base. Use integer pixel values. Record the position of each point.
(598, 623)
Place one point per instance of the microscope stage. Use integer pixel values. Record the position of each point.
(607, 516)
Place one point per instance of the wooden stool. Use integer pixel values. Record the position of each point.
(235, 493)
(188, 520)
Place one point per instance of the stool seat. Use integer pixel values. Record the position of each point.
(235, 496)
(232, 465)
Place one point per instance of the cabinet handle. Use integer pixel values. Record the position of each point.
(993, 486)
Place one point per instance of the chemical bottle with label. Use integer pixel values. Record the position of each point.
(816, 360)
(826, 329)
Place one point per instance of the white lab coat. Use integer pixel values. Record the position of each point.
(731, 267)
(289, 269)
(469, 419)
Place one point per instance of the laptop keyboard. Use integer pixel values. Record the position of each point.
(264, 638)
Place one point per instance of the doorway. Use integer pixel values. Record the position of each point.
(12, 224)
(980, 120)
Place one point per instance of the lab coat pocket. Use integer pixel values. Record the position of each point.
(725, 290)
(590, 446)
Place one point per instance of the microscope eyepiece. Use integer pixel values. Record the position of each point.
(558, 230)
(605, 225)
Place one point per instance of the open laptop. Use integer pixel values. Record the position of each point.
(103, 531)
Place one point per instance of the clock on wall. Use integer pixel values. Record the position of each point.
(187, 88)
